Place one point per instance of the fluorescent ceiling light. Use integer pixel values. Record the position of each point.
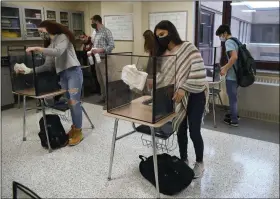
(249, 11)
(257, 4)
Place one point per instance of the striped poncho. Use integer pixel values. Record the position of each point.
(190, 76)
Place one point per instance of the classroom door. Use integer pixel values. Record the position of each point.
(206, 36)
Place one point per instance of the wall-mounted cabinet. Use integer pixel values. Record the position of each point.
(32, 17)
(77, 26)
(11, 23)
(21, 23)
(51, 14)
(65, 18)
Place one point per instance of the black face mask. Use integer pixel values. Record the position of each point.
(94, 26)
(164, 41)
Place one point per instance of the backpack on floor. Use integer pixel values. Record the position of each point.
(174, 174)
(56, 132)
(246, 71)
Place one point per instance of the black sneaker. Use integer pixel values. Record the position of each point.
(229, 122)
(228, 116)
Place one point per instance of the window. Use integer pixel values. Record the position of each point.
(258, 28)
(265, 33)
(254, 23)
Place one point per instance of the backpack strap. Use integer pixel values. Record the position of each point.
(236, 41)
(143, 158)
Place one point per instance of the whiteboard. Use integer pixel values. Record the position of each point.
(121, 26)
(179, 19)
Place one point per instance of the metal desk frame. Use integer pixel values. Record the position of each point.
(212, 87)
(133, 121)
(41, 99)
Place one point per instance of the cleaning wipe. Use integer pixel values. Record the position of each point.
(133, 77)
(22, 67)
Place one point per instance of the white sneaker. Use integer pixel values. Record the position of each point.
(198, 169)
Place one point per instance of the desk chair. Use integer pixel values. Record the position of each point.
(63, 107)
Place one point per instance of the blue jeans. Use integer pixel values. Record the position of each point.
(71, 80)
(232, 96)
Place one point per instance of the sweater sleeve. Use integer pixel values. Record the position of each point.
(47, 66)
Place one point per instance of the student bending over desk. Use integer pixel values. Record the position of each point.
(191, 88)
(60, 53)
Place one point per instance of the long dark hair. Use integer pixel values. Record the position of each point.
(172, 32)
(55, 28)
(149, 41)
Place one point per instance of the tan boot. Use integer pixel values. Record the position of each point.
(77, 137)
(70, 133)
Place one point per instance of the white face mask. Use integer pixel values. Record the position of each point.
(222, 39)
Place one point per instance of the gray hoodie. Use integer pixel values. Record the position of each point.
(59, 54)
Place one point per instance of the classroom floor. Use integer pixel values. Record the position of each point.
(238, 164)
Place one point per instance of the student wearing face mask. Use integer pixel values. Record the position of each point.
(224, 33)
(191, 88)
(103, 44)
(60, 54)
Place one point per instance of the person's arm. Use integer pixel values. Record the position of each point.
(47, 66)
(110, 42)
(231, 49)
(59, 48)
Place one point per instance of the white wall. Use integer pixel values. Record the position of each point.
(140, 11)
(215, 5)
(218, 19)
(244, 16)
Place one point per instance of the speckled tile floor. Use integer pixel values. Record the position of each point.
(236, 167)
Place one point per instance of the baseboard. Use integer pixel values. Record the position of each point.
(6, 107)
(252, 114)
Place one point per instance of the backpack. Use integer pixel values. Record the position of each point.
(56, 132)
(246, 71)
(174, 174)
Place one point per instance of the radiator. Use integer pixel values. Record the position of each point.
(260, 100)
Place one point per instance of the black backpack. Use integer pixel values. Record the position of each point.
(246, 71)
(56, 132)
(174, 174)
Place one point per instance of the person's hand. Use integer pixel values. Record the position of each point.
(84, 38)
(224, 71)
(29, 49)
(97, 50)
(20, 71)
(149, 83)
(178, 96)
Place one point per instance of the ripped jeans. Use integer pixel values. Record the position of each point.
(71, 80)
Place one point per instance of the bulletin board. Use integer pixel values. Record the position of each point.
(121, 26)
(178, 18)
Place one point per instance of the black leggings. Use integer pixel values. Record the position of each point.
(195, 110)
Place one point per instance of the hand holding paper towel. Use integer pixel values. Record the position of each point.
(21, 68)
(133, 77)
